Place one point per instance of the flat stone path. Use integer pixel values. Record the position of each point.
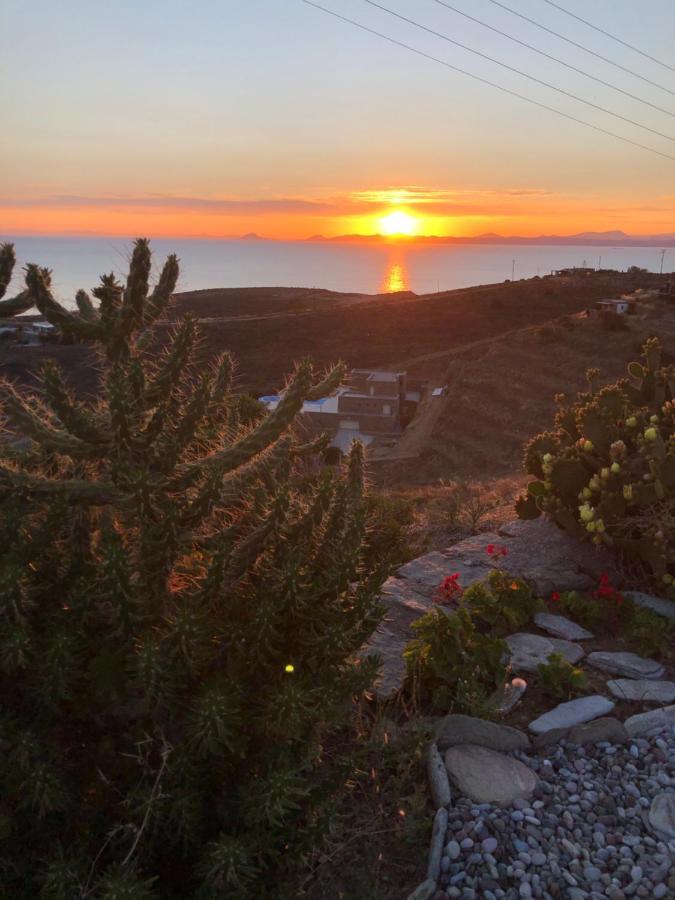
(629, 665)
(529, 651)
(561, 627)
(574, 712)
(643, 690)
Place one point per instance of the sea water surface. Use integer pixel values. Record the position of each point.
(353, 268)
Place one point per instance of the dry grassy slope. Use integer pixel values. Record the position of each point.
(502, 393)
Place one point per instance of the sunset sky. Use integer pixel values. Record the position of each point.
(219, 118)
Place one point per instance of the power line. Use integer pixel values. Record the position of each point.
(553, 58)
(607, 34)
(493, 84)
(581, 46)
(504, 65)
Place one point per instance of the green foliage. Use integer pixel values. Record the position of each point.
(607, 471)
(644, 631)
(452, 665)
(559, 679)
(180, 611)
(500, 604)
(390, 520)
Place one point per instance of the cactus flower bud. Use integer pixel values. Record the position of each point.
(547, 457)
(590, 526)
(615, 467)
(588, 446)
(587, 493)
(631, 422)
(651, 434)
(604, 474)
(628, 492)
(586, 513)
(654, 420)
(600, 526)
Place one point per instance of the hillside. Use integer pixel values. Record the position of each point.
(502, 392)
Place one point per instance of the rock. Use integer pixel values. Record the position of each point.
(458, 729)
(665, 608)
(424, 891)
(547, 738)
(629, 665)
(561, 627)
(574, 712)
(605, 729)
(662, 815)
(436, 849)
(486, 776)
(540, 552)
(528, 651)
(642, 689)
(438, 778)
(655, 718)
(505, 699)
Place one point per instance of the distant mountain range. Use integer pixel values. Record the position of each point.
(585, 238)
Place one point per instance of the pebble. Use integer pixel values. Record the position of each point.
(583, 835)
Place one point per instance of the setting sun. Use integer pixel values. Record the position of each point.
(398, 222)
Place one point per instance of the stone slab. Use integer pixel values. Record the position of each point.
(625, 664)
(537, 551)
(655, 718)
(506, 698)
(643, 690)
(424, 891)
(486, 776)
(458, 729)
(574, 712)
(659, 605)
(438, 778)
(561, 627)
(662, 815)
(604, 729)
(438, 832)
(529, 651)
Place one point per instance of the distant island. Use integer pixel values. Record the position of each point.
(584, 238)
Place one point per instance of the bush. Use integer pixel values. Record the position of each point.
(607, 470)
(559, 679)
(459, 659)
(179, 615)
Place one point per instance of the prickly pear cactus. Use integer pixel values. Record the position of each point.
(607, 471)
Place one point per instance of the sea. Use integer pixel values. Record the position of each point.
(77, 262)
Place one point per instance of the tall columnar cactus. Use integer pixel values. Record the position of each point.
(607, 471)
(181, 602)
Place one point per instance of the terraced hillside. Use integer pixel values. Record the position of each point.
(501, 391)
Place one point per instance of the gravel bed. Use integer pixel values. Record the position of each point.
(584, 834)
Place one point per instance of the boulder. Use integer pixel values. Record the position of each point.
(604, 729)
(561, 627)
(457, 729)
(629, 665)
(643, 690)
(529, 651)
(659, 605)
(486, 776)
(655, 718)
(438, 778)
(662, 815)
(574, 712)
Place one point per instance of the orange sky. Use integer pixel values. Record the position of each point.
(430, 212)
(271, 117)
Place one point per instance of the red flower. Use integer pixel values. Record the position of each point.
(448, 590)
(490, 549)
(555, 596)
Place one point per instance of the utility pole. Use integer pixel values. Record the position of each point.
(599, 262)
(663, 253)
(513, 269)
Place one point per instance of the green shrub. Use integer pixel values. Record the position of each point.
(559, 679)
(180, 609)
(501, 604)
(452, 666)
(389, 522)
(607, 470)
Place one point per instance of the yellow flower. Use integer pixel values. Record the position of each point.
(289, 668)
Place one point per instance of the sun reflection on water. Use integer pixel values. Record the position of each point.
(395, 278)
